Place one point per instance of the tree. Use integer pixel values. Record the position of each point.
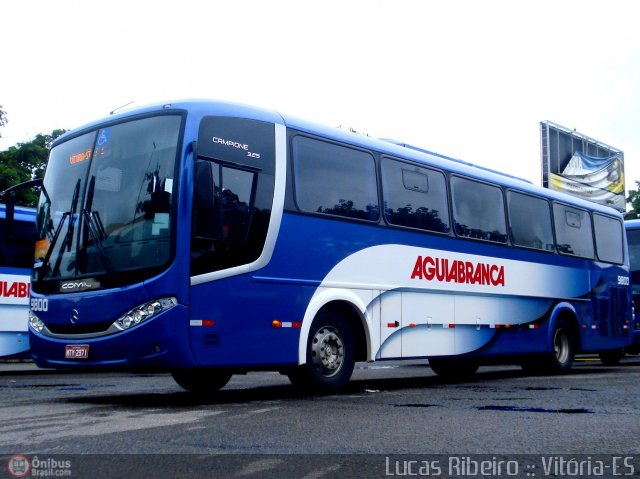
(26, 161)
(3, 118)
(633, 198)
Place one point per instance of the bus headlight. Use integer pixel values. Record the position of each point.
(143, 312)
(35, 322)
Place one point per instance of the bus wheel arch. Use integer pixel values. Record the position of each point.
(357, 322)
(346, 303)
(563, 342)
(336, 339)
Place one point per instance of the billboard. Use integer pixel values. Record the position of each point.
(581, 166)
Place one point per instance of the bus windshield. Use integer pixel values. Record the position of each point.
(108, 218)
(633, 238)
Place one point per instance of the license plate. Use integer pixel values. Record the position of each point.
(76, 351)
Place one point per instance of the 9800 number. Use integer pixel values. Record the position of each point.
(39, 304)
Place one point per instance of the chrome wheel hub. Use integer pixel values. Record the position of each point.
(327, 351)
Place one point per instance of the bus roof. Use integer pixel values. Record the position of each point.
(632, 224)
(200, 108)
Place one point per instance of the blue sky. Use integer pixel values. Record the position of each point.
(464, 78)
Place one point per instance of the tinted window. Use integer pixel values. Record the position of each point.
(414, 196)
(229, 221)
(478, 210)
(573, 231)
(530, 221)
(233, 193)
(633, 238)
(334, 180)
(16, 249)
(107, 207)
(608, 238)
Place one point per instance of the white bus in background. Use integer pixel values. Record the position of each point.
(17, 229)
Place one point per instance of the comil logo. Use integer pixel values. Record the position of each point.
(81, 285)
(19, 465)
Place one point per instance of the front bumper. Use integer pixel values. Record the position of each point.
(159, 343)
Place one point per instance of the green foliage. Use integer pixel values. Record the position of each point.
(633, 198)
(3, 118)
(26, 161)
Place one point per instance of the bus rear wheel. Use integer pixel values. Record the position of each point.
(560, 359)
(330, 355)
(612, 358)
(201, 381)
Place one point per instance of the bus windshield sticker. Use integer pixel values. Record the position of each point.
(103, 136)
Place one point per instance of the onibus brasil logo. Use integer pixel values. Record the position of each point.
(20, 465)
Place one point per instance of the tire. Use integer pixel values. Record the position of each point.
(611, 358)
(560, 359)
(330, 355)
(563, 349)
(201, 381)
(453, 368)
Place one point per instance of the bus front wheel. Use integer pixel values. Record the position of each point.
(330, 355)
(200, 380)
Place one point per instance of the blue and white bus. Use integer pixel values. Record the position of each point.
(17, 233)
(208, 239)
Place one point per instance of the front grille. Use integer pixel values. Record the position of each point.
(70, 329)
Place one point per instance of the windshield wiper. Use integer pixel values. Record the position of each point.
(68, 237)
(97, 233)
(93, 216)
(93, 224)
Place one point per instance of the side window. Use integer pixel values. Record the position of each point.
(633, 239)
(573, 231)
(608, 232)
(234, 178)
(16, 250)
(334, 180)
(225, 217)
(414, 196)
(478, 210)
(530, 221)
